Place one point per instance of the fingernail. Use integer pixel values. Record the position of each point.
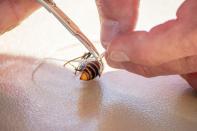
(105, 43)
(109, 30)
(119, 56)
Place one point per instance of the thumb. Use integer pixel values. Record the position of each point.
(170, 41)
(164, 43)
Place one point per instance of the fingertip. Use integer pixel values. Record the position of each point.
(24, 8)
(112, 63)
(109, 29)
(186, 10)
(128, 47)
(115, 17)
(119, 56)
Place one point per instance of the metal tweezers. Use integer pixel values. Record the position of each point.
(51, 6)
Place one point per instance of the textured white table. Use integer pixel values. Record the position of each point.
(58, 101)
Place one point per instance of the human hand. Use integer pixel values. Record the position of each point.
(169, 48)
(12, 12)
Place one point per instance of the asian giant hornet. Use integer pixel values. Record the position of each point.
(90, 64)
(89, 67)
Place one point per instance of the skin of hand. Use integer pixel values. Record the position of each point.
(12, 12)
(168, 48)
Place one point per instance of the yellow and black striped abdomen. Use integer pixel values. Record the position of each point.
(91, 71)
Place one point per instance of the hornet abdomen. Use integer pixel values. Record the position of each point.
(91, 71)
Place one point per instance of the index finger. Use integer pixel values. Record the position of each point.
(116, 16)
